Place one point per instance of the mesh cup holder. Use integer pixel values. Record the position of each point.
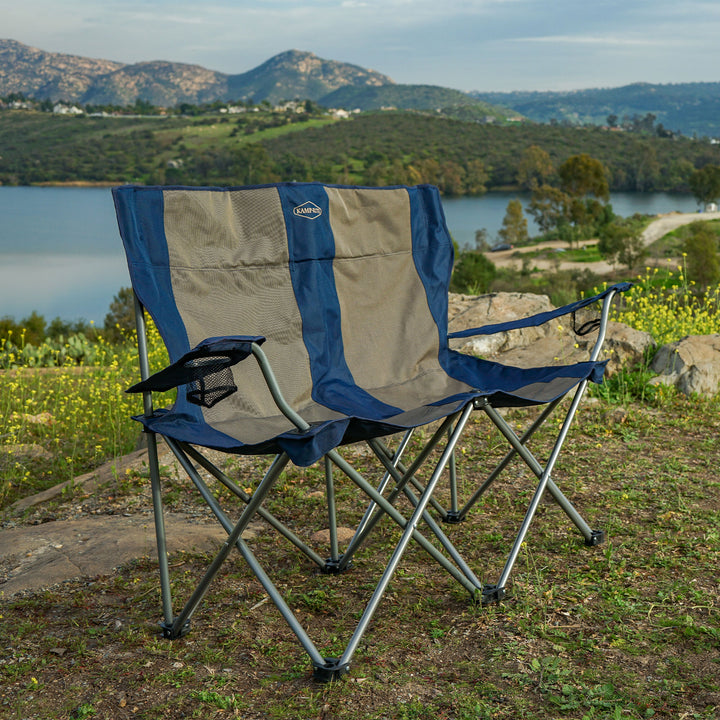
(212, 380)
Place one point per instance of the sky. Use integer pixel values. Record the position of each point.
(485, 45)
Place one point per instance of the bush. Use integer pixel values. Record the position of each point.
(473, 274)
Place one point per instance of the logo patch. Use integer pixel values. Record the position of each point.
(308, 210)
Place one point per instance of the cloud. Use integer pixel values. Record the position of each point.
(607, 40)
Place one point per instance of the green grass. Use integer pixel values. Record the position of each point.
(628, 629)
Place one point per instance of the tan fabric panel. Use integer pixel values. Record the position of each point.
(230, 276)
(388, 332)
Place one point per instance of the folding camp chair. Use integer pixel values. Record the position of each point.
(339, 294)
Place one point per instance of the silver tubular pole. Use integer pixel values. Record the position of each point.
(245, 497)
(384, 456)
(255, 501)
(332, 517)
(435, 528)
(536, 467)
(541, 487)
(507, 459)
(378, 443)
(275, 391)
(388, 508)
(154, 467)
(407, 535)
(396, 456)
(254, 565)
(444, 541)
(280, 604)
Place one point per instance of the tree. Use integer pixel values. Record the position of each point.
(705, 184)
(534, 168)
(121, 315)
(701, 250)
(514, 228)
(621, 242)
(481, 240)
(547, 206)
(582, 175)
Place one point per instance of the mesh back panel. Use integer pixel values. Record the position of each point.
(230, 276)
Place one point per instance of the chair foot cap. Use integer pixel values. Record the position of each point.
(597, 537)
(330, 671)
(452, 517)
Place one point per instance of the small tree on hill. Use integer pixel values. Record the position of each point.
(534, 168)
(701, 250)
(705, 184)
(621, 242)
(514, 228)
(473, 274)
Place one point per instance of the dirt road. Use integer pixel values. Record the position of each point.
(654, 231)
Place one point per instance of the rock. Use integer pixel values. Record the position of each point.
(625, 347)
(691, 364)
(343, 534)
(470, 311)
(25, 451)
(40, 556)
(550, 344)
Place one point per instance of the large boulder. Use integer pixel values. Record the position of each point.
(692, 365)
(553, 343)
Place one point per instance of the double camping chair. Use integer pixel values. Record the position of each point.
(302, 317)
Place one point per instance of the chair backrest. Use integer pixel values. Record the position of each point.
(349, 285)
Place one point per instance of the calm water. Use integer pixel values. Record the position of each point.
(61, 255)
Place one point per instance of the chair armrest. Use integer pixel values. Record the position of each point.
(541, 318)
(211, 360)
(211, 356)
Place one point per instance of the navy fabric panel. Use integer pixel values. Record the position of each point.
(433, 251)
(493, 379)
(307, 448)
(312, 250)
(540, 318)
(140, 213)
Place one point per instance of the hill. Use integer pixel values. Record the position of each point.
(294, 74)
(690, 108)
(55, 76)
(371, 148)
(415, 97)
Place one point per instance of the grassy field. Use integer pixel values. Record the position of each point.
(629, 629)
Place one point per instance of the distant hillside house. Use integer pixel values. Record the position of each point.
(62, 109)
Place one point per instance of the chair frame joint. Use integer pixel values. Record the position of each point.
(170, 632)
(332, 669)
(335, 567)
(492, 594)
(453, 517)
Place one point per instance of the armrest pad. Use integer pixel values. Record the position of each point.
(208, 357)
(540, 318)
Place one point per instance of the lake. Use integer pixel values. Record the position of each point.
(61, 254)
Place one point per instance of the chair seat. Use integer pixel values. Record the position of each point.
(424, 399)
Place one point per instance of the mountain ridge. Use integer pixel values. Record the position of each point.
(56, 76)
(690, 108)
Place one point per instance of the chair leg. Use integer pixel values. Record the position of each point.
(409, 532)
(332, 563)
(160, 537)
(591, 537)
(182, 451)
